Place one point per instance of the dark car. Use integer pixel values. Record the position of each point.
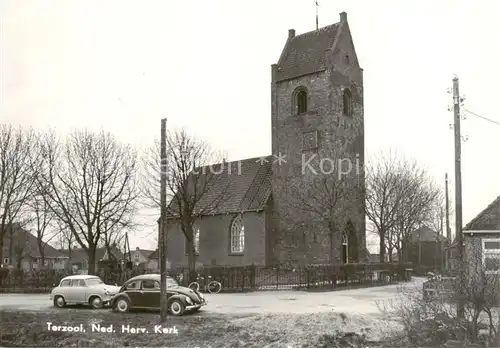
(143, 292)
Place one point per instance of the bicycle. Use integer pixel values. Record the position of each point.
(211, 286)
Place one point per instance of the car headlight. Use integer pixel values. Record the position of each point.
(106, 292)
(188, 300)
(201, 295)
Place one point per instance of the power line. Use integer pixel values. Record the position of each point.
(484, 118)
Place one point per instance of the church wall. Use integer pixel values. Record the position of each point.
(214, 241)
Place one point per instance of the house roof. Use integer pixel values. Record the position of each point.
(425, 234)
(153, 255)
(241, 186)
(144, 252)
(79, 254)
(305, 54)
(488, 219)
(25, 242)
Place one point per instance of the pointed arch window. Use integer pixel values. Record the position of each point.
(237, 235)
(196, 240)
(300, 100)
(347, 102)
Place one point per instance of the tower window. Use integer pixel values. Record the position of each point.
(300, 101)
(346, 59)
(347, 101)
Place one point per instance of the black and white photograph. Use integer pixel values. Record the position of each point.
(247, 174)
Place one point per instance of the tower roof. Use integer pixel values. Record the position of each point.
(305, 54)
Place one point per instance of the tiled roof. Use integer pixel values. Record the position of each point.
(488, 219)
(425, 234)
(27, 242)
(305, 54)
(241, 186)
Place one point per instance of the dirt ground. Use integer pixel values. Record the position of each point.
(28, 329)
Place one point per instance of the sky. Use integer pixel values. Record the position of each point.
(205, 66)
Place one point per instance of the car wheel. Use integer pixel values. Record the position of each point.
(176, 307)
(122, 305)
(59, 302)
(96, 302)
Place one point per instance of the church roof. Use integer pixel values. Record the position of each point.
(305, 54)
(488, 219)
(243, 185)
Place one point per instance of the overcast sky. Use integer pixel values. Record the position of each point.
(205, 65)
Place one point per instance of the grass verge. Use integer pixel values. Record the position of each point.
(28, 329)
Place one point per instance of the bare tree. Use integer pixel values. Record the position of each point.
(191, 174)
(418, 197)
(400, 197)
(90, 184)
(17, 153)
(382, 196)
(42, 221)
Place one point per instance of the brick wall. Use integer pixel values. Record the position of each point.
(214, 241)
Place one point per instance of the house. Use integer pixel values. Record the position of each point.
(21, 250)
(140, 258)
(78, 257)
(482, 239)
(317, 109)
(426, 248)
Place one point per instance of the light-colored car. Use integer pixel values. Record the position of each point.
(83, 289)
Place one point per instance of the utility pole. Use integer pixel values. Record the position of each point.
(162, 236)
(458, 197)
(317, 22)
(447, 216)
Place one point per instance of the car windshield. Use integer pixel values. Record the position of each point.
(94, 281)
(171, 282)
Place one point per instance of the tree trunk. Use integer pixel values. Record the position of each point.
(42, 255)
(1, 250)
(192, 260)
(69, 266)
(92, 261)
(189, 235)
(382, 247)
(11, 246)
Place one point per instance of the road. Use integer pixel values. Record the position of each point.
(355, 301)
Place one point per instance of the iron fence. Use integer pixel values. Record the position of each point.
(232, 278)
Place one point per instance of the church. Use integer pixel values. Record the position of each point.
(286, 207)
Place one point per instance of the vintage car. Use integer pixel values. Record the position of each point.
(83, 289)
(143, 292)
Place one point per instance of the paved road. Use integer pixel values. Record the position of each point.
(356, 301)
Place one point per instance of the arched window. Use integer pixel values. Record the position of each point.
(347, 101)
(300, 100)
(196, 240)
(237, 235)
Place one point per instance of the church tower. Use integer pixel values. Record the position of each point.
(317, 121)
